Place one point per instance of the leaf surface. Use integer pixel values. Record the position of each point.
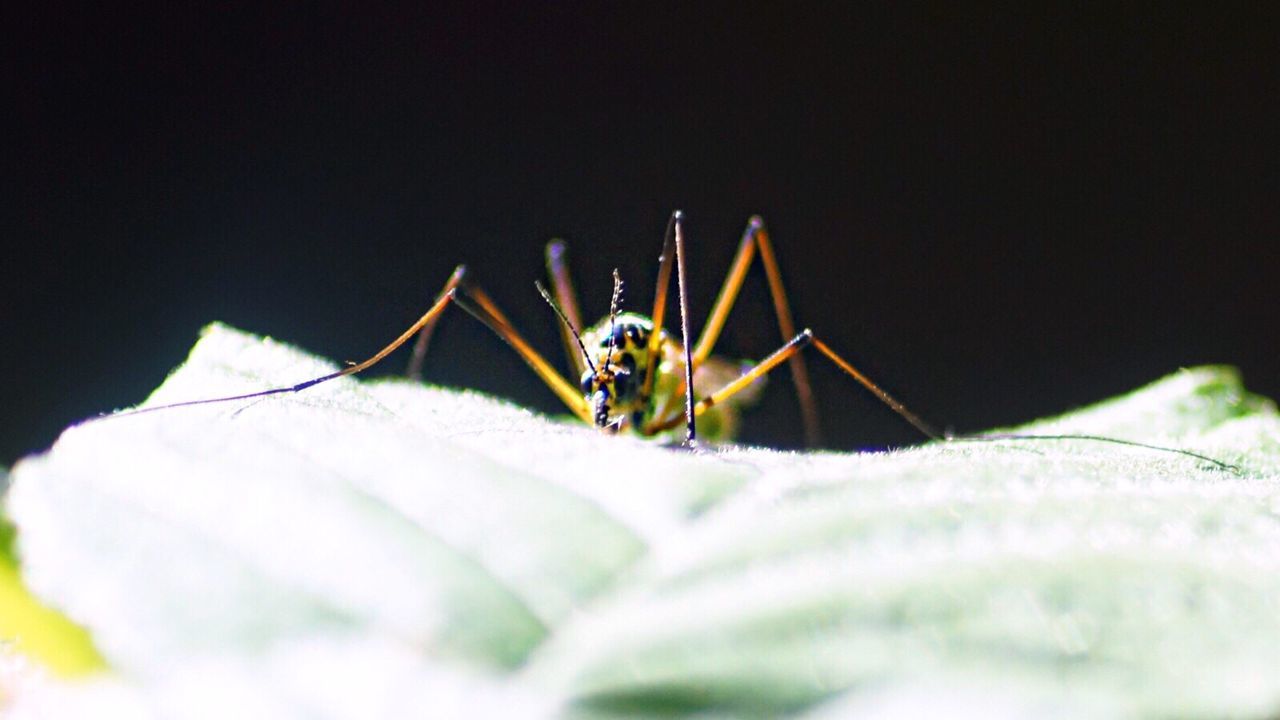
(383, 549)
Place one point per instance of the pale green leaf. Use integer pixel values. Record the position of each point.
(382, 549)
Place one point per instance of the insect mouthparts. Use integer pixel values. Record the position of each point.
(601, 402)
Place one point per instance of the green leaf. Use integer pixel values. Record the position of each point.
(382, 549)
(31, 632)
(6, 527)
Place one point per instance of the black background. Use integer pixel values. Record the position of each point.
(998, 215)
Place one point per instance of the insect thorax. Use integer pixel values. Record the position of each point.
(622, 374)
(621, 363)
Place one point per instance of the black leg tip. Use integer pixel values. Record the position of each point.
(683, 446)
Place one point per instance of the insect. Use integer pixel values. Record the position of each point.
(634, 376)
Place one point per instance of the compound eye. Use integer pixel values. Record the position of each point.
(587, 382)
(618, 338)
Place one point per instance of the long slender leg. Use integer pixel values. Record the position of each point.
(807, 338)
(430, 316)
(799, 371)
(691, 429)
(757, 237)
(885, 397)
(797, 343)
(478, 304)
(459, 278)
(563, 389)
(414, 370)
(660, 297)
(762, 368)
(562, 285)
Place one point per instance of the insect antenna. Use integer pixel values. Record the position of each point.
(614, 304)
(564, 319)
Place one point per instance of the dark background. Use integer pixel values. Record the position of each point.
(998, 215)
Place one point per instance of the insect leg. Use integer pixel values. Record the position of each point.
(428, 318)
(562, 285)
(783, 353)
(691, 429)
(660, 297)
(459, 279)
(757, 237)
(484, 312)
(885, 397)
(798, 343)
(672, 249)
(477, 303)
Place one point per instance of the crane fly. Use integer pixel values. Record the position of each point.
(633, 376)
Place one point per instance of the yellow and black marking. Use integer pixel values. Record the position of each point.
(619, 350)
(620, 363)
